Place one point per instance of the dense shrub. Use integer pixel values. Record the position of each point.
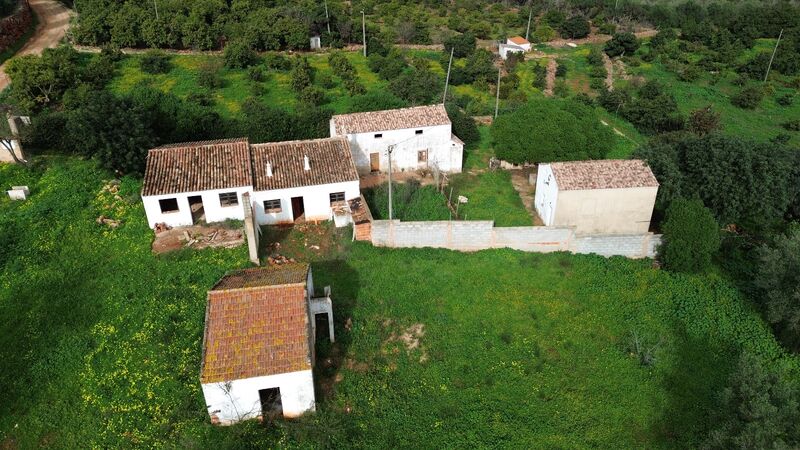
(691, 237)
(652, 110)
(621, 43)
(155, 62)
(277, 61)
(417, 86)
(748, 98)
(238, 55)
(551, 130)
(741, 181)
(41, 81)
(302, 74)
(208, 75)
(703, 121)
(759, 409)
(777, 283)
(462, 45)
(576, 27)
(463, 125)
(375, 101)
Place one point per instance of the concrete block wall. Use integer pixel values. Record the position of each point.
(480, 235)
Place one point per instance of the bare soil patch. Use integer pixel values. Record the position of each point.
(197, 237)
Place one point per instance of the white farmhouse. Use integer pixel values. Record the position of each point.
(258, 345)
(420, 137)
(520, 42)
(597, 197)
(505, 49)
(287, 181)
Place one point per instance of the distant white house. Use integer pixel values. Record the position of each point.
(420, 137)
(597, 197)
(258, 344)
(506, 49)
(315, 43)
(287, 181)
(520, 42)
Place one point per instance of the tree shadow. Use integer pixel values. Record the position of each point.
(330, 357)
(692, 385)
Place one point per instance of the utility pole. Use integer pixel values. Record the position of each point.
(497, 99)
(364, 32)
(773, 55)
(327, 19)
(389, 150)
(155, 5)
(447, 80)
(528, 30)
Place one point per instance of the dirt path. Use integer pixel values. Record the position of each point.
(53, 24)
(609, 66)
(527, 191)
(552, 66)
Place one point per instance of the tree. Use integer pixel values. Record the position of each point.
(154, 62)
(42, 80)
(463, 125)
(375, 101)
(576, 27)
(749, 97)
(551, 130)
(691, 237)
(108, 128)
(621, 43)
(417, 86)
(703, 121)
(208, 75)
(462, 45)
(759, 409)
(480, 66)
(302, 74)
(777, 284)
(239, 55)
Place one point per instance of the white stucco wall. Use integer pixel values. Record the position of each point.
(606, 211)
(505, 49)
(243, 401)
(5, 155)
(526, 47)
(442, 150)
(546, 198)
(316, 200)
(183, 217)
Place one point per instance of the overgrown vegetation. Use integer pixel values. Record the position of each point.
(113, 356)
(410, 201)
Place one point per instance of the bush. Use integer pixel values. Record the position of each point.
(312, 95)
(417, 86)
(551, 130)
(595, 57)
(544, 33)
(463, 125)
(792, 125)
(353, 87)
(208, 75)
(302, 74)
(703, 121)
(758, 409)
(239, 55)
(691, 237)
(748, 98)
(375, 101)
(561, 70)
(621, 43)
(576, 27)
(277, 61)
(463, 45)
(785, 100)
(326, 80)
(155, 62)
(257, 73)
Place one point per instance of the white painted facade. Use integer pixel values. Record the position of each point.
(443, 150)
(505, 49)
(525, 46)
(316, 201)
(239, 399)
(546, 198)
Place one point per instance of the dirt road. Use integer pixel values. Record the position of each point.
(53, 23)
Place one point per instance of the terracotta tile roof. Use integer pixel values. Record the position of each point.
(197, 166)
(256, 331)
(603, 174)
(263, 276)
(392, 119)
(330, 161)
(519, 40)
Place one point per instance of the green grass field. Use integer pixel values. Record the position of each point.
(101, 340)
(491, 196)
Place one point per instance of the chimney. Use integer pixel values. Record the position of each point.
(306, 165)
(269, 169)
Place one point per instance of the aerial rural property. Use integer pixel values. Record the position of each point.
(390, 224)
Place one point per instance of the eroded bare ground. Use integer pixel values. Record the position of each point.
(552, 66)
(197, 237)
(526, 190)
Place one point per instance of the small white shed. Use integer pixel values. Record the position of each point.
(315, 43)
(520, 42)
(505, 49)
(597, 197)
(258, 346)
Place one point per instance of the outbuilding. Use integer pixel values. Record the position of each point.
(505, 49)
(258, 344)
(520, 42)
(419, 137)
(288, 182)
(597, 197)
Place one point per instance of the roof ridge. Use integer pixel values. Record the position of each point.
(300, 141)
(202, 143)
(405, 108)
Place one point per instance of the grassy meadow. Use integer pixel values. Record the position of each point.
(101, 340)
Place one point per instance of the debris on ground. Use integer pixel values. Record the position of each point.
(103, 220)
(410, 338)
(196, 237)
(277, 260)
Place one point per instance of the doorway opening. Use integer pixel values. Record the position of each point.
(298, 209)
(196, 207)
(322, 328)
(374, 162)
(271, 406)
